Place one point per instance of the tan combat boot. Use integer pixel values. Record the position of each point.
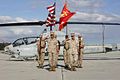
(79, 66)
(39, 66)
(71, 69)
(74, 69)
(53, 68)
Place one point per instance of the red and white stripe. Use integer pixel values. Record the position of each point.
(51, 9)
(51, 16)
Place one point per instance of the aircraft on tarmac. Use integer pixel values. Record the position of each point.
(25, 48)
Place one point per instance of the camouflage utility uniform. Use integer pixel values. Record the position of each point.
(52, 50)
(66, 52)
(80, 51)
(41, 51)
(58, 50)
(73, 52)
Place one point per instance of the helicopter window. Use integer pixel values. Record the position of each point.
(26, 41)
(18, 43)
(32, 40)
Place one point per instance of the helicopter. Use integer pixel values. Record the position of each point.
(26, 48)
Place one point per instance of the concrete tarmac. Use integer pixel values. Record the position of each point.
(102, 66)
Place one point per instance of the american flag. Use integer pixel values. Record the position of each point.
(51, 16)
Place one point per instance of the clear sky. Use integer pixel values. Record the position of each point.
(86, 10)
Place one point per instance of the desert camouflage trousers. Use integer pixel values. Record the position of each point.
(41, 56)
(53, 59)
(66, 55)
(80, 57)
(73, 60)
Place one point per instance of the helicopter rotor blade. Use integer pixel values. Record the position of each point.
(23, 24)
(93, 23)
(43, 22)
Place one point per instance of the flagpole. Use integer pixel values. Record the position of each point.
(66, 30)
(50, 28)
(65, 1)
(66, 24)
(55, 13)
(103, 37)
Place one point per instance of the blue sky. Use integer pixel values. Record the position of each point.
(32, 9)
(22, 8)
(86, 10)
(112, 6)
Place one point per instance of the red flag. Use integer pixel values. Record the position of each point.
(65, 16)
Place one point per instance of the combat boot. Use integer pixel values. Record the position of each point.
(79, 66)
(66, 66)
(53, 68)
(74, 69)
(40, 66)
(71, 69)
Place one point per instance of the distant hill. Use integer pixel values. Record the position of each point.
(2, 45)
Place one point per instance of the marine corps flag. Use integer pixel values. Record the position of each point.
(65, 16)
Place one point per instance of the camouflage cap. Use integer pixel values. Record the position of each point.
(51, 32)
(72, 34)
(79, 36)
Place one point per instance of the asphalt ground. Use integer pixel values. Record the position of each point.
(98, 66)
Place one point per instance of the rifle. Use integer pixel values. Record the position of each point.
(40, 45)
(79, 49)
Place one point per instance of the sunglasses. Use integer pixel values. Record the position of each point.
(51, 35)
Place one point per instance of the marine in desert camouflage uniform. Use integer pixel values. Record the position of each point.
(41, 51)
(66, 52)
(80, 51)
(73, 52)
(52, 50)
